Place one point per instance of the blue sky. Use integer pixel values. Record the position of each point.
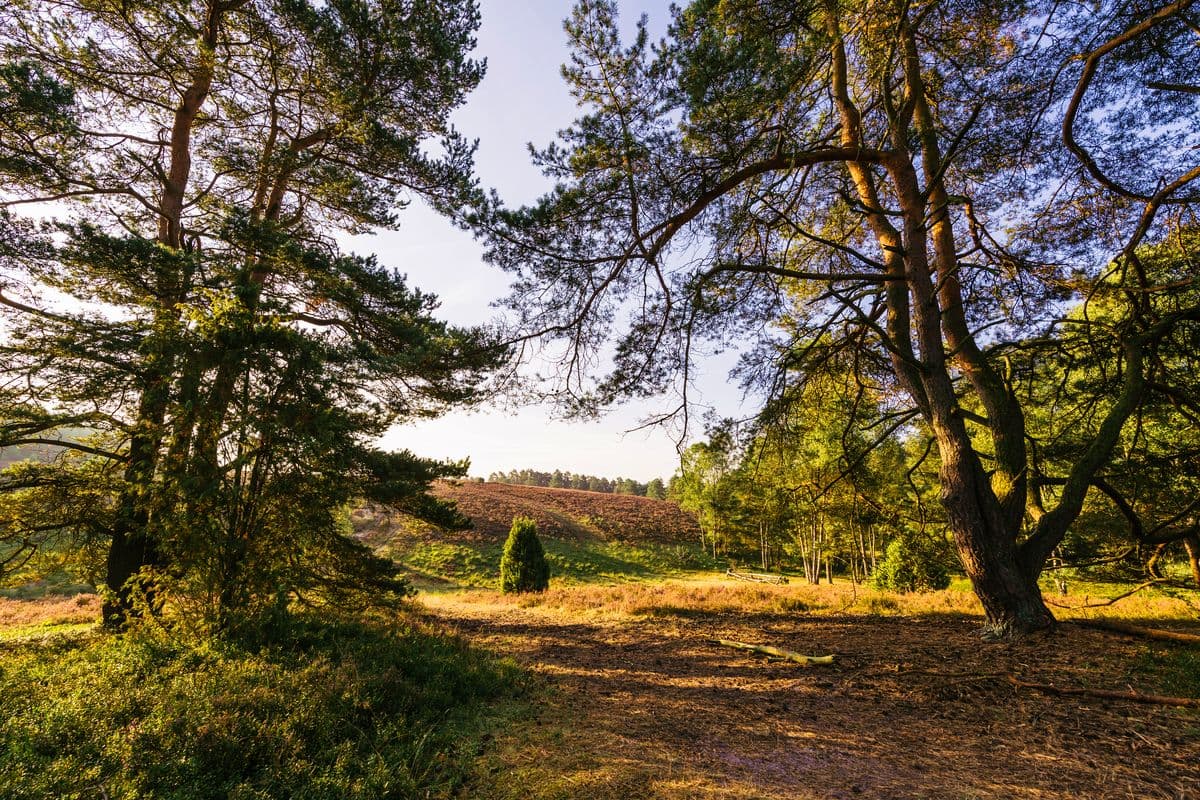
(522, 99)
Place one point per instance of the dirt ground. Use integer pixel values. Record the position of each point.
(648, 706)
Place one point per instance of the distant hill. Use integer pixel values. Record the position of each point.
(588, 535)
(27, 452)
(560, 513)
(41, 452)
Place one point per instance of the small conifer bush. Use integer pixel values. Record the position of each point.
(523, 567)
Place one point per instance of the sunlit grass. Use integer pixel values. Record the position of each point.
(715, 593)
(52, 614)
(477, 565)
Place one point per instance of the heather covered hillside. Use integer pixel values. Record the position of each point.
(588, 535)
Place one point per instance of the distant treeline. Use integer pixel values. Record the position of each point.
(558, 479)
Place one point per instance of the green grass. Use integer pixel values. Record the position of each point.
(60, 584)
(42, 630)
(1179, 667)
(369, 708)
(571, 562)
(448, 561)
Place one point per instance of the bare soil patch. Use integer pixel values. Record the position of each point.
(646, 705)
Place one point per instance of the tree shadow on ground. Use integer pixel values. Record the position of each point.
(911, 708)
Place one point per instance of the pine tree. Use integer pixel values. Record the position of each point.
(231, 365)
(837, 168)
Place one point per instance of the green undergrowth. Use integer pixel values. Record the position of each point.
(571, 562)
(50, 629)
(357, 708)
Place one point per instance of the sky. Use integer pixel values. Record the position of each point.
(523, 99)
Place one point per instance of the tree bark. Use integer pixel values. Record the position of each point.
(1192, 543)
(132, 546)
(1152, 563)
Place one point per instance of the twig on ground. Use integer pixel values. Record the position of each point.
(1110, 601)
(777, 652)
(935, 674)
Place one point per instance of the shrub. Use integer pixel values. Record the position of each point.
(523, 567)
(879, 606)
(912, 562)
(372, 708)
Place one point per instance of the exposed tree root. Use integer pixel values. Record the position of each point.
(1138, 630)
(776, 652)
(1108, 694)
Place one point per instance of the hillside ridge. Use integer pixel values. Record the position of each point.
(571, 514)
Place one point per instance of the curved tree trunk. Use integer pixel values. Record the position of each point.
(1192, 543)
(133, 547)
(1152, 568)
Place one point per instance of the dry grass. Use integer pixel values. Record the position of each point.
(1086, 599)
(717, 594)
(643, 704)
(710, 595)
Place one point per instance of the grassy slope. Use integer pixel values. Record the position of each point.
(25, 452)
(40, 452)
(588, 536)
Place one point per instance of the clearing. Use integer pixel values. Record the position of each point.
(642, 704)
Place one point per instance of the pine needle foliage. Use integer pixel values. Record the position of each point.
(523, 567)
(188, 307)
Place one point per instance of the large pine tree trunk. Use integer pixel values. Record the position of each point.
(131, 547)
(128, 554)
(1010, 595)
(1007, 588)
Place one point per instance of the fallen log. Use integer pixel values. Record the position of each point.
(756, 577)
(1138, 630)
(1108, 694)
(775, 652)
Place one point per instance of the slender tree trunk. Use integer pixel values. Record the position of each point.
(874, 552)
(1152, 569)
(1192, 543)
(133, 546)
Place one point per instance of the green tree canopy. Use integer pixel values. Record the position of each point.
(924, 186)
(185, 301)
